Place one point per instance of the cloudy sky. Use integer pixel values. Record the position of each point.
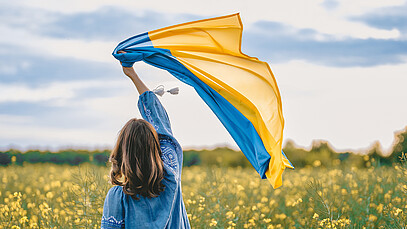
(341, 67)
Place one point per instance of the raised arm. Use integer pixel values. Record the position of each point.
(150, 107)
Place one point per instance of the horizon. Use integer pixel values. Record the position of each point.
(361, 151)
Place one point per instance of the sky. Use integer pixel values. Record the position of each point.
(341, 68)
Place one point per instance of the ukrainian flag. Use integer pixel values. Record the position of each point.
(240, 90)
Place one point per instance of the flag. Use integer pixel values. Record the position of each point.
(240, 90)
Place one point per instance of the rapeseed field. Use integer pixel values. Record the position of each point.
(63, 196)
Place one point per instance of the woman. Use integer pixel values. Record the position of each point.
(146, 167)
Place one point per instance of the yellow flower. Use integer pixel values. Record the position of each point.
(372, 218)
(316, 163)
(17, 194)
(380, 208)
(267, 220)
(213, 223)
(49, 195)
(398, 210)
(281, 216)
(387, 196)
(240, 188)
(264, 199)
(230, 214)
(23, 220)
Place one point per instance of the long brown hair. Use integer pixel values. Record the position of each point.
(137, 157)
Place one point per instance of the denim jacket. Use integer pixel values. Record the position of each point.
(165, 211)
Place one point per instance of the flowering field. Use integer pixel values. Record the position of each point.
(62, 196)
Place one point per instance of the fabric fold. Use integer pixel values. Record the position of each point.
(240, 90)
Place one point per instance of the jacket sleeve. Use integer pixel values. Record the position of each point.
(153, 112)
(113, 210)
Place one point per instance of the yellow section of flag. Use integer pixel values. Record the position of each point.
(211, 50)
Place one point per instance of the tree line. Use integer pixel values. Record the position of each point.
(320, 154)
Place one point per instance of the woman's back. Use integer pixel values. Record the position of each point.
(168, 209)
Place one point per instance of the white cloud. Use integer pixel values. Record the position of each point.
(24, 135)
(350, 107)
(75, 48)
(302, 14)
(18, 93)
(351, 7)
(16, 119)
(7, 69)
(297, 13)
(54, 91)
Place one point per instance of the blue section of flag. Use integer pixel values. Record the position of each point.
(137, 47)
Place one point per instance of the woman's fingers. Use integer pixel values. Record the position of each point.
(129, 71)
(121, 51)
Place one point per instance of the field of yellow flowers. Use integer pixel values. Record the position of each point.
(62, 196)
